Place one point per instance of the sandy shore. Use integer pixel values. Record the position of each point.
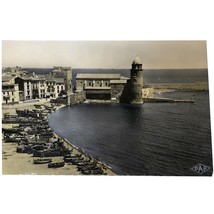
(14, 163)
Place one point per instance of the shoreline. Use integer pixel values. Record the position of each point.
(67, 144)
(17, 163)
(14, 163)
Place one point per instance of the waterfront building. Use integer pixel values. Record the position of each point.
(50, 90)
(25, 87)
(38, 86)
(98, 86)
(10, 90)
(65, 73)
(34, 86)
(117, 87)
(60, 86)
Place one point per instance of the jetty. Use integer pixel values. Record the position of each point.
(166, 100)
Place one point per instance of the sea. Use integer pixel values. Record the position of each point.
(164, 139)
(150, 75)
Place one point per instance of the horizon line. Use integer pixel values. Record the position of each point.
(103, 68)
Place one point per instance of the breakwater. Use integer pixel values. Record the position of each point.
(167, 100)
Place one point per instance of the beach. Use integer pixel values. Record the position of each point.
(14, 163)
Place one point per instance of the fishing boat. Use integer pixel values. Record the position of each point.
(37, 106)
(11, 130)
(42, 161)
(56, 164)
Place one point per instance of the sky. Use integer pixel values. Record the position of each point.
(104, 54)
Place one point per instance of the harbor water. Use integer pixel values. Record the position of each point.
(148, 139)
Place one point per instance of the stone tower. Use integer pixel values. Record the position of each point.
(132, 92)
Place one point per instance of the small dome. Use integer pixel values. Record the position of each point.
(137, 60)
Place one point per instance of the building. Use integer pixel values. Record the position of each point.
(65, 73)
(98, 86)
(35, 86)
(38, 87)
(50, 89)
(60, 86)
(132, 92)
(10, 93)
(25, 88)
(117, 87)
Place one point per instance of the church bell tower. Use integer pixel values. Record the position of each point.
(136, 81)
(132, 92)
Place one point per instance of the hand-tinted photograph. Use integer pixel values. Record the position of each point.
(106, 108)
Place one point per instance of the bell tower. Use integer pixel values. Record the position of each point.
(132, 92)
(136, 81)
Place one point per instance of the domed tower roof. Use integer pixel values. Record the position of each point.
(137, 60)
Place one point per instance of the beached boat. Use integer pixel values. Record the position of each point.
(56, 164)
(74, 159)
(37, 106)
(93, 172)
(20, 149)
(42, 161)
(15, 139)
(27, 113)
(47, 153)
(11, 130)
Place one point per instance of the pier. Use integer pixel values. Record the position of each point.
(166, 100)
